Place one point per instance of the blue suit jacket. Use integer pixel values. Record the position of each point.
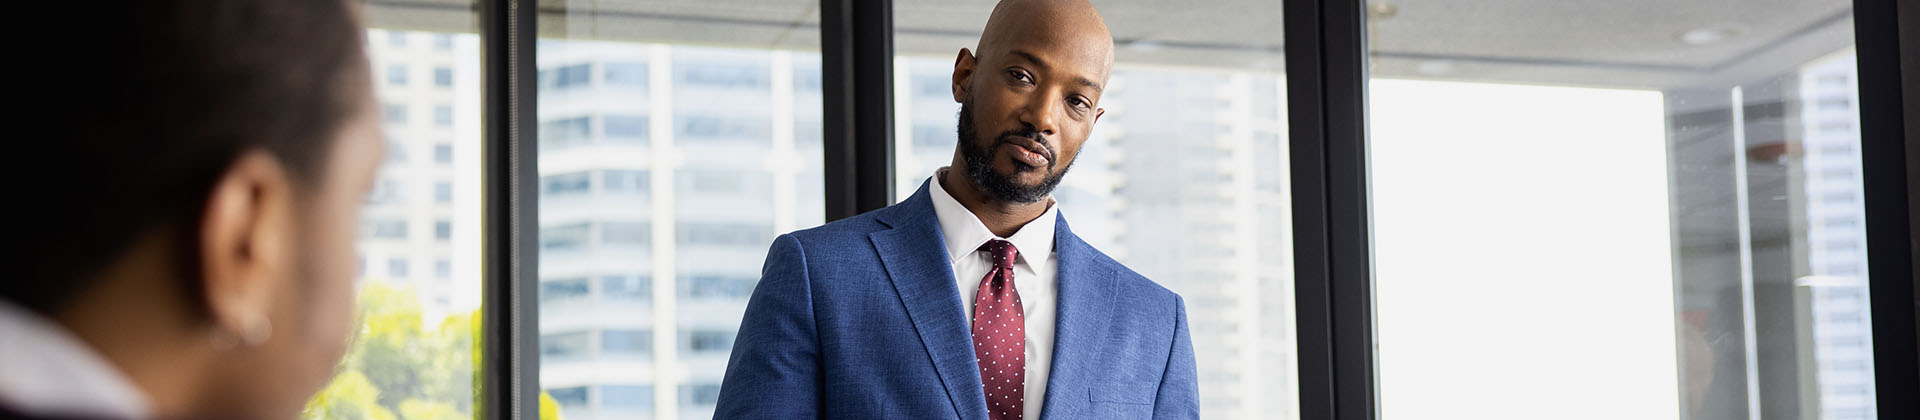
(861, 319)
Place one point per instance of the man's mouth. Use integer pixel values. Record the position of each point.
(1026, 150)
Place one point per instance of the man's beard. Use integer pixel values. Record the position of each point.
(978, 155)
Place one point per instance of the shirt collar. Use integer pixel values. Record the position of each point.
(965, 233)
(51, 372)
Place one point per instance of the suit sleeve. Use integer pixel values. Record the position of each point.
(774, 371)
(1179, 396)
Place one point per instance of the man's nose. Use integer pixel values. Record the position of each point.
(1041, 113)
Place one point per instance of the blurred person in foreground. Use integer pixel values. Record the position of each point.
(190, 218)
(972, 299)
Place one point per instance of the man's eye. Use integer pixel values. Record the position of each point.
(1018, 76)
(1076, 101)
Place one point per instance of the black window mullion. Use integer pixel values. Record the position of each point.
(1887, 162)
(1326, 88)
(509, 365)
(856, 52)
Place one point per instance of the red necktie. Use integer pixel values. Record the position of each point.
(999, 335)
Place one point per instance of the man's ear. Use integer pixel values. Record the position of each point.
(963, 74)
(1097, 112)
(244, 241)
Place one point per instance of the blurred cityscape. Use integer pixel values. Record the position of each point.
(666, 170)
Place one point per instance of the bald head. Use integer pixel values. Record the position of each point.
(1073, 25)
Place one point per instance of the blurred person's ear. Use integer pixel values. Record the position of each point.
(245, 247)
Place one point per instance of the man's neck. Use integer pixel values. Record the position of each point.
(1001, 217)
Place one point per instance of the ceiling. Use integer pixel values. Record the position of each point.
(1601, 43)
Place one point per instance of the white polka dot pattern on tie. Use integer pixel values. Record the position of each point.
(1006, 392)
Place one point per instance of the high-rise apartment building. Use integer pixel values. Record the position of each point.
(411, 236)
(1836, 242)
(665, 173)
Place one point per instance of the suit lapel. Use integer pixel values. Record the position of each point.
(915, 257)
(1086, 300)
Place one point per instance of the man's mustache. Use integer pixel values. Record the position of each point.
(1031, 135)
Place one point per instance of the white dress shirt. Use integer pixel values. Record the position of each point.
(46, 371)
(1035, 276)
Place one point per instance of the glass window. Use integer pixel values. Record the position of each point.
(566, 132)
(619, 181)
(443, 115)
(387, 191)
(933, 136)
(569, 398)
(625, 73)
(629, 128)
(443, 153)
(562, 290)
(725, 235)
(625, 234)
(1620, 199)
(626, 287)
(387, 229)
(1183, 178)
(572, 76)
(443, 192)
(712, 181)
(723, 75)
(442, 268)
(396, 152)
(700, 395)
(565, 346)
(626, 397)
(443, 76)
(396, 114)
(626, 342)
(397, 75)
(694, 126)
(396, 39)
(709, 341)
(722, 128)
(724, 287)
(397, 268)
(564, 238)
(573, 183)
(442, 230)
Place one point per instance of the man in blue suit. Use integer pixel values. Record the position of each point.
(972, 299)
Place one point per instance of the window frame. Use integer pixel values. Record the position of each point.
(1326, 62)
(1890, 172)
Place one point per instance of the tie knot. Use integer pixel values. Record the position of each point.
(1001, 251)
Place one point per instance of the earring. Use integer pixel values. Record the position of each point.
(253, 334)
(257, 333)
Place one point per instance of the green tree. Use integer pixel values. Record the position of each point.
(549, 409)
(398, 365)
(349, 396)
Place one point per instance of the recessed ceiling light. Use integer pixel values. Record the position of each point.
(1708, 35)
(1382, 10)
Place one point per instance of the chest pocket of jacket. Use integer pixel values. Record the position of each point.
(1122, 400)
